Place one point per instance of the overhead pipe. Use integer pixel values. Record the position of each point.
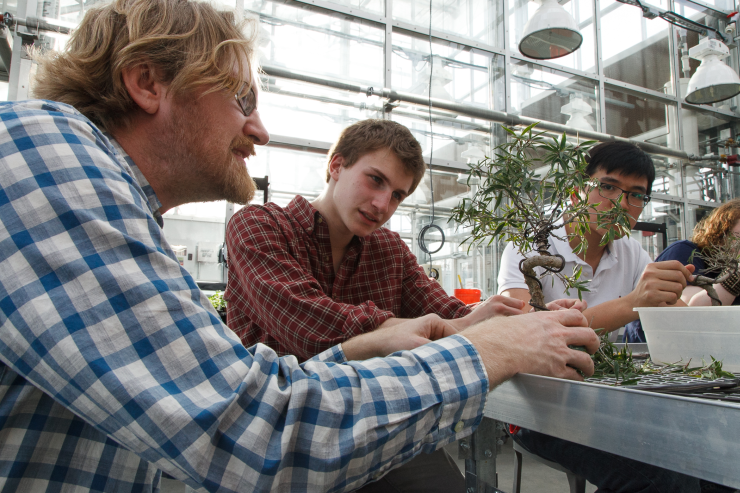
(474, 112)
(6, 51)
(37, 23)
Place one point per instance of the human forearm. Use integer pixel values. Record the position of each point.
(611, 315)
(701, 298)
(400, 335)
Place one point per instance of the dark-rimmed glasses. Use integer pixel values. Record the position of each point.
(248, 102)
(611, 192)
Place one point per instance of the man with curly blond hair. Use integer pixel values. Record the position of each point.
(114, 367)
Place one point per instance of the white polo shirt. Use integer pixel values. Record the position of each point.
(616, 275)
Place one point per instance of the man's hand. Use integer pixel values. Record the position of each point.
(534, 343)
(661, 284)
(401, 336)
(566, 304)
(493, 307)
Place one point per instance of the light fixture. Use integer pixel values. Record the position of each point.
(550, 33)
(578, 109)
(713, 81)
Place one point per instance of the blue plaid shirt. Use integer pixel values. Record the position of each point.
(115, 367)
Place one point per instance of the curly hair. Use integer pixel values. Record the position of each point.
(713, 229)
(189, 44)
(368, 136)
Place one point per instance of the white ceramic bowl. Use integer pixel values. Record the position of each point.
(683, 333)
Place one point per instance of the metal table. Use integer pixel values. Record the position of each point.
(694, 436)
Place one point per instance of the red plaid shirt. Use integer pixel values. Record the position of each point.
(282, 290)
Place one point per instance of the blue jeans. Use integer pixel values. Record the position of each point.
(610, 473)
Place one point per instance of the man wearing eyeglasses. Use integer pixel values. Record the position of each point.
(114, 366)
(621, 274)
(622, 277)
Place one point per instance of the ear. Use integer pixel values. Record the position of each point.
(144, 87)
(335, 166)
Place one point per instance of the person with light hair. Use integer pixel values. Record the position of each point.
(722, 223)
(114, 367)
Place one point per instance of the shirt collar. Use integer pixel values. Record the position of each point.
(563, 248)
(308, 217)
(154, 202)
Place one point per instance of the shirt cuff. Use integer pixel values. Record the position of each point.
(463, 384)
(334, 354)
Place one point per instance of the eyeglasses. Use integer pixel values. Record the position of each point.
(248, 102)
(634, 199)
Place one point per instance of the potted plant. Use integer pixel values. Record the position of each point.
(525, 194)
(219, 303)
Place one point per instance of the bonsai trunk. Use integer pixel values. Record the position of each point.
(707, 284)
(530, 277)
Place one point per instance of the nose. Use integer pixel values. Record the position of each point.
(382, 202)
(255, 129)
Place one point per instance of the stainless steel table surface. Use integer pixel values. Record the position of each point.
(694, 436)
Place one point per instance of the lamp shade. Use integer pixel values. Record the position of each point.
(713, 81)
(550, 33)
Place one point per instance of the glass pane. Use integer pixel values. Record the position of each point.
(635, 50)
(707, 134)
(458, 73)
(637, 117)
(290, 172)
(374, 6)
(665, 213)
(695, 214)
(477, 20)
(312, 112)
(584, 58)
(668, 176)
(328, 46)
(452, 138)
(551, 95)
(704, 182)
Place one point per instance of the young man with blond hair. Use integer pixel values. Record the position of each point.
(113, 365)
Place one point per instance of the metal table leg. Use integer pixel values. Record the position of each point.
(479, 452)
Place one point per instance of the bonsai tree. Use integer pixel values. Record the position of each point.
(525, 194)
(723, 258)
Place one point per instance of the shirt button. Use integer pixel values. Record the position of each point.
(320, 220)
(309, 229)
(459, 427)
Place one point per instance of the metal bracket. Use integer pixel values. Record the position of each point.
(479, 452)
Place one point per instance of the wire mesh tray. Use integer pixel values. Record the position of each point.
(726, 389)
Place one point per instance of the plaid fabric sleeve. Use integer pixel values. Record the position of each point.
(422, 295)
(96, 311)
(281, 296)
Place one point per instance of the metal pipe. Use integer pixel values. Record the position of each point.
(6, 51)
(37, 23)
(476, 112)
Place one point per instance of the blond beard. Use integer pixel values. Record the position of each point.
(239, 188)
(213, 178)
